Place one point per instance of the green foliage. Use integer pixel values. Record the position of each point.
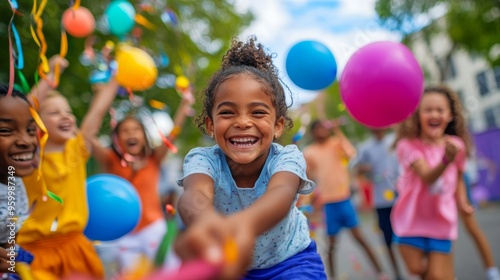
(471, 24)
(195, 47)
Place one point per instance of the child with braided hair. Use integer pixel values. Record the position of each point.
(243, 190)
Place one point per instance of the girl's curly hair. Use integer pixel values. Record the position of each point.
(251, 59)
(411, 127)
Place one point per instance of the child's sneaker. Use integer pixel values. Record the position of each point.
(493, 273)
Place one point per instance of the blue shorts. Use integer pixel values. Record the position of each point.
(304, 265)
(425, 244)
(340, 215)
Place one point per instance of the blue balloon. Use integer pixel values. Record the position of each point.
(310, 65)
(121, 17)
(114, 207)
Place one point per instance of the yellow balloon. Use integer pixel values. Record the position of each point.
(136, 68)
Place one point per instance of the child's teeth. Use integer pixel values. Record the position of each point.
(25, 156)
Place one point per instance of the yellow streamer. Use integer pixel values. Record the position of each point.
(39, 37)
(140, 19)
(62, 54)
(43, 141)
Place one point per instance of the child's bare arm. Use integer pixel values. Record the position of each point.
(197, 197)
(273, 206)
(104, 94)
(179, 118)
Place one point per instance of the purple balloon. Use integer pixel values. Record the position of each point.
(382, 84)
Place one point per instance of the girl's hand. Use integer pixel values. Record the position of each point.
(451, 149)
(222, 241)
(58, 60)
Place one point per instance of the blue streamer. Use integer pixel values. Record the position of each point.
(13, 4)
(20, 57)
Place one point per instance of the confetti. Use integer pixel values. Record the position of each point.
(389, 195)
(230, 251)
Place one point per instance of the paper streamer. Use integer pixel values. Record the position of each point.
(44, 136)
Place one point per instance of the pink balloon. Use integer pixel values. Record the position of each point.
(382, 84)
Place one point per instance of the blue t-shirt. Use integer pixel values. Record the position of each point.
(385, 168)
(291, 235)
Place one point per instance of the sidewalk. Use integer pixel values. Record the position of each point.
(353, 265)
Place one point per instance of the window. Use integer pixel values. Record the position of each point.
(491, 121)
(497, 76)
(460, 94)
(482, 83)
(451, 71)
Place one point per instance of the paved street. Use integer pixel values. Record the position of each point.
(352, 264)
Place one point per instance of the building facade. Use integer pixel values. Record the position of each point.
(476, 82)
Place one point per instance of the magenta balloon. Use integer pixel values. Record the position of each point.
(382, 84)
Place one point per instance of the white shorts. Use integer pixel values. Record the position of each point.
(128, 250)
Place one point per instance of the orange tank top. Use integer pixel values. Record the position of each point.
(145, 181)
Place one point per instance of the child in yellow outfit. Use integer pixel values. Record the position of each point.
(54, 231)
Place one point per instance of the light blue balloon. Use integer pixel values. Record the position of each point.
(310, 65)
(114, 207)
(121, 17)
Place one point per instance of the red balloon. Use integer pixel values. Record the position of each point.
(78, 23)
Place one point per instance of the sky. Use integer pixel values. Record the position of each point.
(342, 25)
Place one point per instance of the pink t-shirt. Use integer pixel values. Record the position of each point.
(422, 210)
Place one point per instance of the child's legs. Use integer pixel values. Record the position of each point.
(440, 259)
(350, 220)
(356, 233)
(479, 238)
(415, 249)
(334, 217)
(414, 259)
(384, 223)
(439, 266)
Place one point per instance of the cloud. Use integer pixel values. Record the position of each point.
(343, 26)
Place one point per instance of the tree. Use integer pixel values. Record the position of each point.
(193, 34)
(470, 24)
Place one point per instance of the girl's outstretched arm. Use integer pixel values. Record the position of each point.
(273, 206)
(209, 233)
(197, 197)
(104, 94)
(179, 118)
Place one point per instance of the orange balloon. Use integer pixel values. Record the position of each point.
(78, 23)
(136, 68)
